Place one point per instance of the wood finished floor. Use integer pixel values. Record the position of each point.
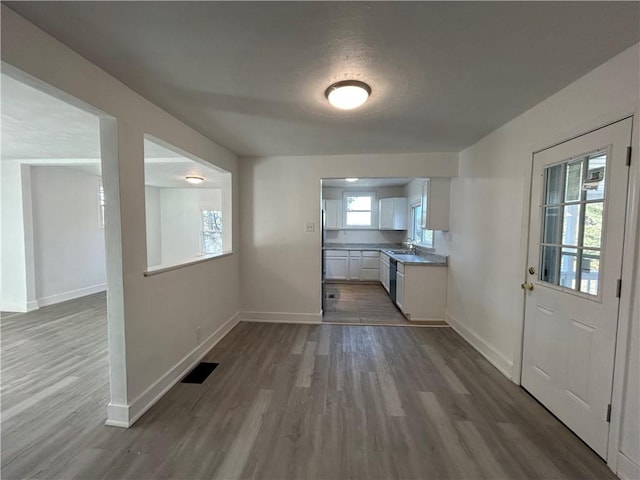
(360, 303)
(286, 402)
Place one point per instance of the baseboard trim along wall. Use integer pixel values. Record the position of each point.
(71, 294)
(627, 468)
(19, 307)
(494, 357)
(126, 415)
(277, 317)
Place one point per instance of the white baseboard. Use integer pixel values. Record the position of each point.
(19, 307)
(126, 415)
(276, 317)
(627, 468)
(494, 357)
(71, 294)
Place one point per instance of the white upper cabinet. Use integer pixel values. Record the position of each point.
(435, 204)
(332, 214)
(392, 213)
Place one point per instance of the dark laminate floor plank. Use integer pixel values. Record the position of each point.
(286, 402)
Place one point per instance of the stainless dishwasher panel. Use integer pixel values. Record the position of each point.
(393, 274)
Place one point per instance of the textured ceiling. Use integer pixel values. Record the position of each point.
(251, 75)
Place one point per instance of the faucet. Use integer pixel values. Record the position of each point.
(410, 245)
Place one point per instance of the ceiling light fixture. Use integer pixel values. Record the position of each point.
(351, 179)
(194, 179)
(347, 94)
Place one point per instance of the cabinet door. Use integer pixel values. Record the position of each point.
(435, 204)
(400, 213)
(369, 274)
(337, 268)
(332, 214)
(400, 290)
(355, 264)
(385, 214)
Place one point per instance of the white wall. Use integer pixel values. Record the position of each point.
(181, 221)
(280, 263)
(153, 321)
(154, 231)
(68, 242)
(18, 292)
(488, 220)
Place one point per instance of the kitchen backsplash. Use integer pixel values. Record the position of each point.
(364, 236)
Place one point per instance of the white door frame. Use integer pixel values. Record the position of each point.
(632, 233)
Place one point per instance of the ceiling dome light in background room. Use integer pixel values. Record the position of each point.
(351, 179)
(347, 94)
(194, 179)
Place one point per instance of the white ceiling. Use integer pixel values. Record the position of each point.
(251, 75)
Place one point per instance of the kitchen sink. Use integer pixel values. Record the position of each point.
(399, 252)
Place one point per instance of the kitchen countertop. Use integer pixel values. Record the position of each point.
(425, 259)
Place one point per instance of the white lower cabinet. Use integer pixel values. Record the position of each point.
(355, 264)
(421, 291)
(384, 271)
(400, 290)
(336, 264)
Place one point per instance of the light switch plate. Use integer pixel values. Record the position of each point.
(309, 227)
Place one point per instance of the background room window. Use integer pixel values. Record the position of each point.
(358, 209)
(211, 232)
(100, 204)
(417, 234)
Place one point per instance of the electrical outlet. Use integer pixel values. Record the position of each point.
(309, 227)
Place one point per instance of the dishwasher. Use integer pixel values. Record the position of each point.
(393, 274)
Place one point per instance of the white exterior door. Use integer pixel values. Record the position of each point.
(578, 201)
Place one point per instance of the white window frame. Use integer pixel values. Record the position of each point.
(412, 232)
(359, 193)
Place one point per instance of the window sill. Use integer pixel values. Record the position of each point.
(151, 271)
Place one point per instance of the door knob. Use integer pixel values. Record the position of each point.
(527, 286)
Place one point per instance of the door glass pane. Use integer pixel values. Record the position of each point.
(553, 185)
(571, 224)
(594, 182)
(548, 269)
(568, 264)
(551, 226)
(593, 224)
(574, 182)
(590, 274)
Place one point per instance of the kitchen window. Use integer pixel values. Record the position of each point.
(358, 211)
(419, 236)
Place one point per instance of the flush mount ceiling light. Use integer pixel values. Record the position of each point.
(351, 179)
(347, 94)
(194, 179)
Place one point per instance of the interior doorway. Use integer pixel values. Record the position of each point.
(576, 232)
(54, 322)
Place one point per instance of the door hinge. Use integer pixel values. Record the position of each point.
(619, 288)
(609, 413)
(628, 156)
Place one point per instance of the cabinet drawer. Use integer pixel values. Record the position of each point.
(400, 267)
(370, 262)
(385, 258)
(355, 253)
(369, 253)
(336, 253)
